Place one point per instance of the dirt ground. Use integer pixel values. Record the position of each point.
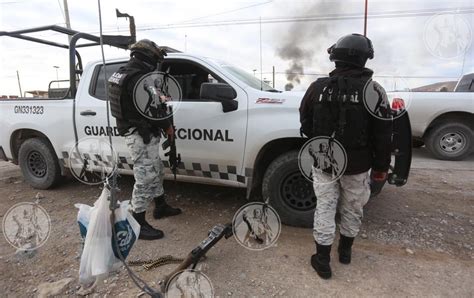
(416, 240)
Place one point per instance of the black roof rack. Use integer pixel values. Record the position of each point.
(118, 41)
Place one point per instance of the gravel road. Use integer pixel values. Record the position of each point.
(417, 240)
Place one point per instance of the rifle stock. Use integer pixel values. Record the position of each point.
(215, 234)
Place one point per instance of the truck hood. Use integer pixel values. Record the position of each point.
(293, 95)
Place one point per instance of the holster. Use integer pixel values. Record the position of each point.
(145, 130)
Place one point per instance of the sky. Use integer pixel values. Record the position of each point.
(416, 42)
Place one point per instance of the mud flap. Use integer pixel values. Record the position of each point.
(401, 149)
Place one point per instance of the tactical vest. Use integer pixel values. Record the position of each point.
(339, 111)
(120, 102)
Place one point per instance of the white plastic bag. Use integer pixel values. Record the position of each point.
(99, 255)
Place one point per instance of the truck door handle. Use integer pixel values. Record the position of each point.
(88, 113)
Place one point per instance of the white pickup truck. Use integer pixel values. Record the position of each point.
(443, 121)
(253, 145)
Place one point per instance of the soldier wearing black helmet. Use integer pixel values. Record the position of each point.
(335, 107)
(142, 136)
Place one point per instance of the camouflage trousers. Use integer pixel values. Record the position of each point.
(147, 170)
(349, 194)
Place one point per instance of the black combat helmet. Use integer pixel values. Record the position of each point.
(149, 50)
(352, 49)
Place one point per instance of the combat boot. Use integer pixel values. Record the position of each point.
(147, 232)
(162, 209)
(320, 261)
(345, 249)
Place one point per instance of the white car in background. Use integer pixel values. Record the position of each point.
(443, 121)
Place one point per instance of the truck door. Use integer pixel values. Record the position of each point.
(211, 141)
(91, 124)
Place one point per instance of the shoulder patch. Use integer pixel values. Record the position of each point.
(117, 78)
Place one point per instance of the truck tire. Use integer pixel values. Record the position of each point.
(39, 163)
(289, 192)
(450, 141)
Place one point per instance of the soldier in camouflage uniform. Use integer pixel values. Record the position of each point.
(142, 136)
(349, 194)
(334, 107)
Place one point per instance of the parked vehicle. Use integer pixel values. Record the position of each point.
(443, 121)
(238, 131)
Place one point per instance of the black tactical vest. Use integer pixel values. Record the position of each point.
(118, 95)
(339, 111)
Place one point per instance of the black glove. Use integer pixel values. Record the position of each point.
(377, 181)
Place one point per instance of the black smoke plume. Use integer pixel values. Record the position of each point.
(303, 42)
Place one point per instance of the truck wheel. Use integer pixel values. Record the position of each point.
(39, 163)
(289, 192)
(450, 141)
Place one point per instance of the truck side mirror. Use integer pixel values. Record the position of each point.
(222, 93)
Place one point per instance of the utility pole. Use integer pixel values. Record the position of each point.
(365, 16)
(185, 42)
(261, 63)
(19, 84)
(68, 21)
(273, 77)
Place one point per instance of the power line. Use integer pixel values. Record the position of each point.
(12, 2)
(227, 12)
(379, 76)
(327, 17)
(312, 18)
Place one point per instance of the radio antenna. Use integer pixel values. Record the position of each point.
(365, 17)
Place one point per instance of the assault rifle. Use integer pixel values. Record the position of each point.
(215, 234)
(174, 158)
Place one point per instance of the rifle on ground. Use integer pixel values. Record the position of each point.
(215, 234)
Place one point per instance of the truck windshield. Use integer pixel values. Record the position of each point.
(245, 77)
